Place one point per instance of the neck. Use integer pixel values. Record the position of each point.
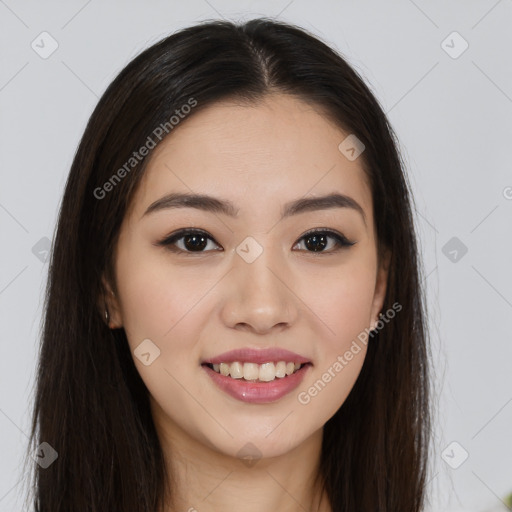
(206, 480)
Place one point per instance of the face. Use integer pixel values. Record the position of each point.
(259, 274)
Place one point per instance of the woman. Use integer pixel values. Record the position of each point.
(234, 313)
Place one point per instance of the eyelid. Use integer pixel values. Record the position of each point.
(168, 241)
(331, 232)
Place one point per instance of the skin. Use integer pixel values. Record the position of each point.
(197, 305)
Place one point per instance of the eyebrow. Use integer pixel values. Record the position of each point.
(215, 205)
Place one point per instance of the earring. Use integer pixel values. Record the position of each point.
(107, 316)
(374, 328)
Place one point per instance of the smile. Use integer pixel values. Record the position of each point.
(257, 391)
(254, 372)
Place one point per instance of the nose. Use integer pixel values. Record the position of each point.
(259, 295)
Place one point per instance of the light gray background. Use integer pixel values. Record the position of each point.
(452, 116)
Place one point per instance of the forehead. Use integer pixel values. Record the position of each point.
(257, 156)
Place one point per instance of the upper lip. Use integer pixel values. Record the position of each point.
(259, 356)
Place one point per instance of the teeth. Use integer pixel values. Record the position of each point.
(265, 372)
(280, 369)
(251, 371)
(236, 370)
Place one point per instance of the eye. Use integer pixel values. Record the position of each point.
(196, 241)
(317, 240)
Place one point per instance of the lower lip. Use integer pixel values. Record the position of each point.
(258, 392)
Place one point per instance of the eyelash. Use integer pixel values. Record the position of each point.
(167, 242)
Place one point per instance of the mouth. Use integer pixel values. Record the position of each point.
(257, 383)
(254, 372)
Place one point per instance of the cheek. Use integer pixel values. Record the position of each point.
(348, 311)
(162, 304)
(341, 301)
(156, 297)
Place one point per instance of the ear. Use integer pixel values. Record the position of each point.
(109, 302)
(380, 288)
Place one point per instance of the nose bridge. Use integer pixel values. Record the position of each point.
(260, 295)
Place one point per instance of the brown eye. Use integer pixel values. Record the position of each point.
(318, 240)
(191, 240)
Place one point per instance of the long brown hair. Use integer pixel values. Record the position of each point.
(90, 403)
